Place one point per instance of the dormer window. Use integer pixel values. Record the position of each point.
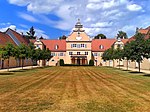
(101, 47)
(37, 46)
(56, 46)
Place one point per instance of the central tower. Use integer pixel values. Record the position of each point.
(78, 48)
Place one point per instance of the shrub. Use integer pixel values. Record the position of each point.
(91, 63)
(74, 65)
(61, 62)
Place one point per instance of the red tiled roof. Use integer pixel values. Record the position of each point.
(133, 38)
(143, 31)
(50, 44)
(4, 39)
(19, 37)
(106, 43)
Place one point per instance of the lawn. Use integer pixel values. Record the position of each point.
(74, 89)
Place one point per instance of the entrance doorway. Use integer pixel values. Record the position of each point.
(83, 61)
(73, 60)
(78, 61)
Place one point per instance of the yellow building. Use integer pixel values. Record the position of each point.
(78, 48)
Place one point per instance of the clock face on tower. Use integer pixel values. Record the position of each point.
(78, 38)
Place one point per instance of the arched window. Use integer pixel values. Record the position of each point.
(56, 46)
(101, 47)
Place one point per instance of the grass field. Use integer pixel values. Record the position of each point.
(74, 89)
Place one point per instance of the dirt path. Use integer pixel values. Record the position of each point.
(74, 89)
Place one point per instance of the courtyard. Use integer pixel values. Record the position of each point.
(74, 89)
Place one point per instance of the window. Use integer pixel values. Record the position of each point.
(82, 45)
(85, 46)
(56, 46)
(70, 53)
(78, 45)
(37, 46)
(53, 60)
(74, 45)
(86, 53)
(61, 54)
(95, 54)
(101, 47)
(52, 54)
(78, 53)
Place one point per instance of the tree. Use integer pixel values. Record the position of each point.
(61, 61)
(122, 35)
(1, 55)
(147, 48)
(137, 49)
(46, 54)
(32, 53)
(118, 54)
(91, 63)
(39, 55)
(31, 33)
(23, 52)
(100, 36)
(16, 55)
(8, 51)
(63, 37)
(127, 52)
(109, 55)
(41, 37)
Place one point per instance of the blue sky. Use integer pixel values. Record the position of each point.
(54, 18)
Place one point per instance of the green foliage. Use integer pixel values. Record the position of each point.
(122, 35)
(63, 37)
(61, 61)
(23, 51)
(74, 65)
(118, 54)
(100, 36)
(147, 48)
(135, 50)
(46, 55)
(91, 63)
(8, 51)
(108, 54)
(32, 52)
(31, 33)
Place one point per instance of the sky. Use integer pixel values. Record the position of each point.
(54, 18)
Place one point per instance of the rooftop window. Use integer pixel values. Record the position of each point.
(101, 47)
(56, 46)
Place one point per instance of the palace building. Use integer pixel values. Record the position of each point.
(78, 48)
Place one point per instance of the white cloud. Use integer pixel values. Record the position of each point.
(98, 16)
(19, 2)
(28, 17)
(101, 24)
(134, 7)
(13, 27)
(38, 33)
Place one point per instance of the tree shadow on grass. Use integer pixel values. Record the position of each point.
(6, 73)
(136, 72)
(141, 73)
(146, 75)
(24, 70)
